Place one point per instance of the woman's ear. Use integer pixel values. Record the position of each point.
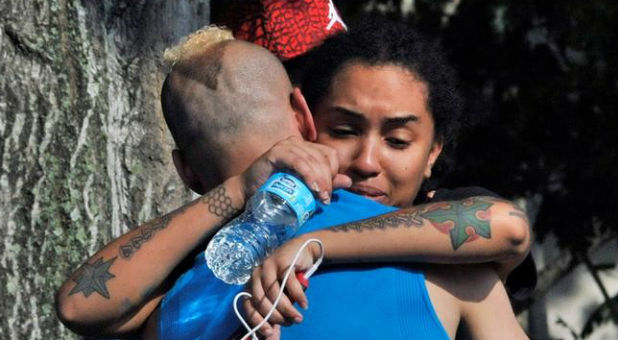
(436, 149)
(186, 173)
(303, 115)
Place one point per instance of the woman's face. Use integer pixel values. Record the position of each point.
(377, 119)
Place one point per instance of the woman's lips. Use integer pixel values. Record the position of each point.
(369, 192)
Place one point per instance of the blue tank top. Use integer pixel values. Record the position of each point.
(346, 302)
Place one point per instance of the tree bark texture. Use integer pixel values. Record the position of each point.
(85, 151)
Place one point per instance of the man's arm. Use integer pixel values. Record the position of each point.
(118, 287)
(116, 290)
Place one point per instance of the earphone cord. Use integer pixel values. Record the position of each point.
(307, 274)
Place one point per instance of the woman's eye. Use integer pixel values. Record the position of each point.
(397, 143)
(342, 132)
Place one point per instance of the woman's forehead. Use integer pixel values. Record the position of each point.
(390, 90)
(356, 65)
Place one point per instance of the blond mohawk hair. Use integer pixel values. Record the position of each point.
(196, 42)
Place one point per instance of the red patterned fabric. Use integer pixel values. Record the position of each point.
(287, 28)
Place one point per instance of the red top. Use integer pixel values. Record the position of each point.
(287, 28)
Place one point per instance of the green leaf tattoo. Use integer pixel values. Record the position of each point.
(463, 220)
(92, 277)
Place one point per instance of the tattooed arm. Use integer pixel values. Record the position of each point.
(118, 287)
(472, 230)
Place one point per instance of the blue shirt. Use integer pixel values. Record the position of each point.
(346, 302)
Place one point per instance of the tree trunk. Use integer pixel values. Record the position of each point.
(85, 150)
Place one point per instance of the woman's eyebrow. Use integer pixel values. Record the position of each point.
(391, 122)
(387, 122)
(349, 113)
(397, 121)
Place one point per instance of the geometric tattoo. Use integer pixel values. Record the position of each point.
(219, 203)
(464, 220)
(92, 277)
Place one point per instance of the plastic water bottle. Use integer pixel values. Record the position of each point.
(272, 216)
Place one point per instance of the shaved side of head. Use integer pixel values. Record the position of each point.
(218, 98)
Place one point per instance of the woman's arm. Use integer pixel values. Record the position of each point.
(473, 230)
(486, 311)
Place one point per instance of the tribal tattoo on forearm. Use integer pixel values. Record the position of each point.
(393, 220)
(146, 232)
(465, 221)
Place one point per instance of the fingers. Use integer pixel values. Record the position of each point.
(328, 161)
(318, 175)
(260, 301)
(270, 280)
(342, 181)
(265, 287)
(316, 164)
(254, 318)
(276, 333)
(296, 292)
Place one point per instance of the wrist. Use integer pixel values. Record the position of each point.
(313, 247)
(236, 192)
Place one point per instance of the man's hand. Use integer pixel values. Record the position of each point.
(266, 282)
(316, 164)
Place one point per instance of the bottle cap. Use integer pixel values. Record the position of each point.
(294, 192)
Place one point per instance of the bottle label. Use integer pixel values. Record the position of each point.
(294, 192)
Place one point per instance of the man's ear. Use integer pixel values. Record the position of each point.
(303, 115)
(436, 149)
(186, 173)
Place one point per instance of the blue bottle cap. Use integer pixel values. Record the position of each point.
(294, 192)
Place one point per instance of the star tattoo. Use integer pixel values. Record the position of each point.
(92, 278)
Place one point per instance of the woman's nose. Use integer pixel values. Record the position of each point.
(366, 161)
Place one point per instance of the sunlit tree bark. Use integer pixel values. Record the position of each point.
(85, 151)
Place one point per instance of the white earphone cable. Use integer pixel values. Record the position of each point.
(307, 274)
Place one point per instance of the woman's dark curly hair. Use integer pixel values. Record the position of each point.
(376, 41)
